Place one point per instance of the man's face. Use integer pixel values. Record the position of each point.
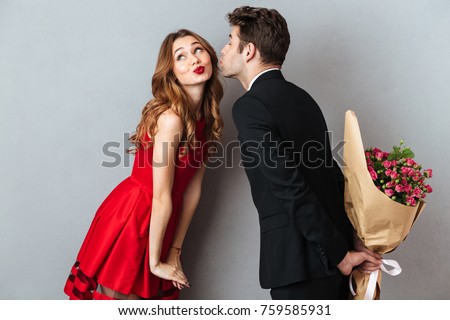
(232, 62)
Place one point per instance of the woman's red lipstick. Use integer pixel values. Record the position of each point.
(199, 70)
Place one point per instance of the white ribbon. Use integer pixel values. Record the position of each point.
(395, 271)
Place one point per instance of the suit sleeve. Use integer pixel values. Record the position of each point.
(258, 138)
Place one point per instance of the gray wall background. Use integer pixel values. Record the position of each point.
(75, 75)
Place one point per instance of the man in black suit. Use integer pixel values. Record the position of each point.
(296, 185)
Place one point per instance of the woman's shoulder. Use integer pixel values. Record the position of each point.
(170, 121)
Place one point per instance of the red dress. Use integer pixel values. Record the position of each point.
(115, 252)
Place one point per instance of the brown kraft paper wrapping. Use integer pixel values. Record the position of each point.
(381, 223)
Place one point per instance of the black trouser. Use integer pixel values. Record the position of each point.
(329, 288)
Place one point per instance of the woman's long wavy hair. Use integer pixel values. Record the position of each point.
(168, 93)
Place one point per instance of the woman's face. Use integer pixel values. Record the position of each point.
(192, 63)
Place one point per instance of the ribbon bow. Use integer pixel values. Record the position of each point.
(394, 271)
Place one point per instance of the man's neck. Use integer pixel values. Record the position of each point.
(252, 72)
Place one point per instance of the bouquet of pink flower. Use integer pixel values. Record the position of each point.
(383, 198)
(398, 175)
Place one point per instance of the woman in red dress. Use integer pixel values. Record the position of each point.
(133, 246)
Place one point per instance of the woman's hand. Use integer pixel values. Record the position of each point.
(173, 259)
(170, 272)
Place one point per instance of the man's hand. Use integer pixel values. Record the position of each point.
(367, 266)
(353, 259)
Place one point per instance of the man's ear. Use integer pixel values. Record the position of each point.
(250, 51)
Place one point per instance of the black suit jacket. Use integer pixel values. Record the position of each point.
(296, 185)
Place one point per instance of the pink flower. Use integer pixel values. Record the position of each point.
(387, 164)
(407, 188)
(394, 175)
(389, 192)
(373, 174)
(429, 189)
(379, 155)
(428, 173)
(388, 172)
(390, 184)
(411, 201)
(399, 188)
(405, 170)
(417, 192)
(410, 162)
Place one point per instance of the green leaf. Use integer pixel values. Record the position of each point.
(392, 156)
(407, 153)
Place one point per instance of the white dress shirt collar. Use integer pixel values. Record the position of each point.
(256, 77)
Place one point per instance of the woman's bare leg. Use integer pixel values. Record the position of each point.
(117, 295)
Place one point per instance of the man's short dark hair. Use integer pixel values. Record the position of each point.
(265, 28)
